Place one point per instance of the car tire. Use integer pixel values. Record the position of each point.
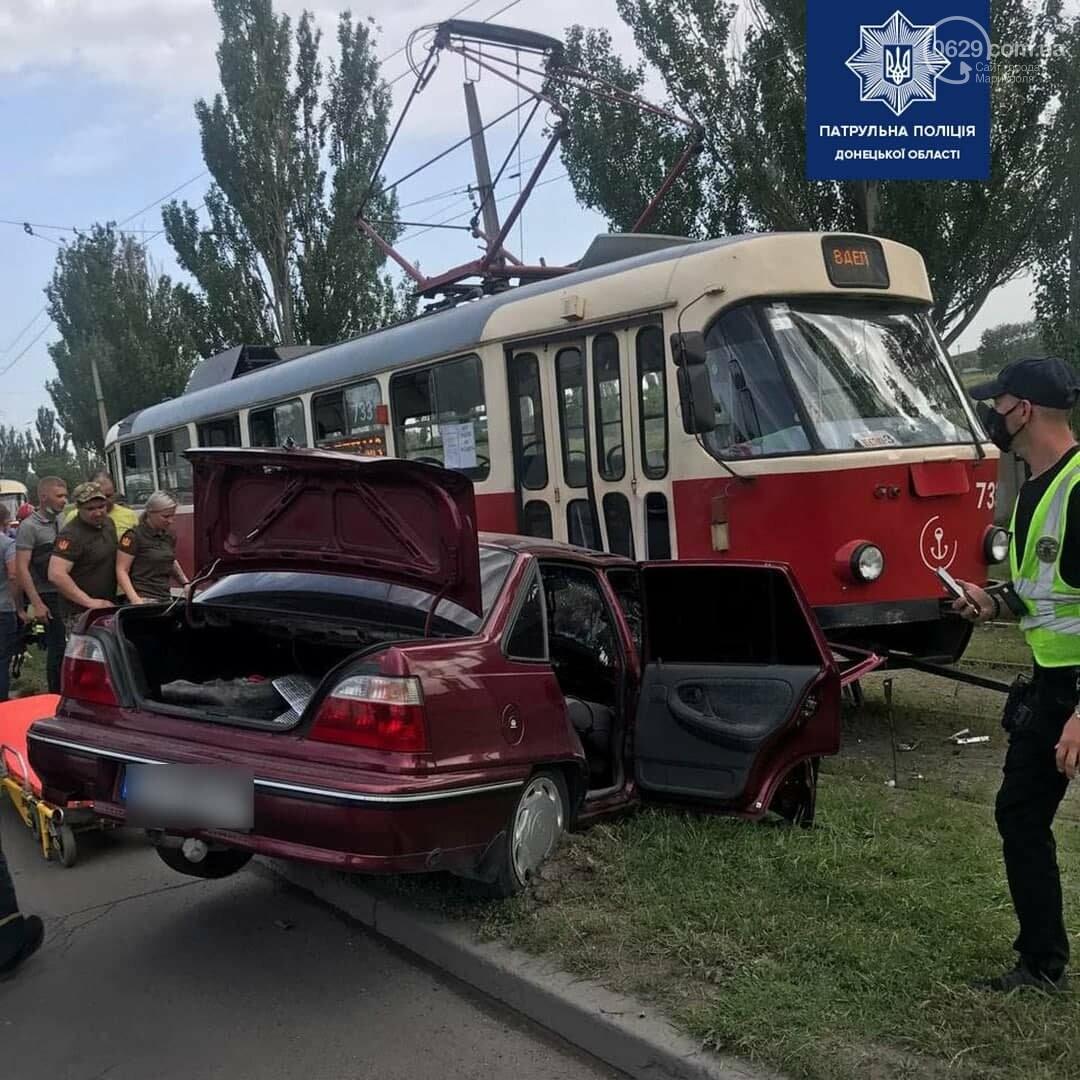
(216, 864)
(536, 826)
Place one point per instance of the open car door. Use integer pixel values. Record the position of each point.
(740, 693)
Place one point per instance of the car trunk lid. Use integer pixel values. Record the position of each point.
(317, 511)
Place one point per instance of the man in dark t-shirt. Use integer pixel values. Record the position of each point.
(83, 564)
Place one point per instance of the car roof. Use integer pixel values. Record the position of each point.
(552, 549)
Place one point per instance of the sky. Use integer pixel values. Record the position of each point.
(97, 123)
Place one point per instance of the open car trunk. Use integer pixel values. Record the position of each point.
(251, 668)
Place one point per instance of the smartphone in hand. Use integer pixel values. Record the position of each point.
(950, 584)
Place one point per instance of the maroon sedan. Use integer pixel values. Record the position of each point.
(394, 693)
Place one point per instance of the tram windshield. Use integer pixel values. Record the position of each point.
(863, 376)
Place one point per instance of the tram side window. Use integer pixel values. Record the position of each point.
(440, 416)
(582, 528)
(279, 423)
(756, 414)
(138, 471)
(173, 469)
(224, 431)
(607, 388)
(347, 419)
(657, 526)
(570, 376)
(652, 402)
(527, 421)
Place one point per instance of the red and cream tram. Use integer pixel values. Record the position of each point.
(809, 414)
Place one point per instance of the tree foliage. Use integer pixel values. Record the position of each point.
(1057, 293)
(281, 260)
(1006, 342)
(751, 103)
(16, 450)
(145, 332)
(28, 455)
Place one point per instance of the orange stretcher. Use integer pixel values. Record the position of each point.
(54, 826)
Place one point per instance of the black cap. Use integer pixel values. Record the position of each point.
(1045, 381)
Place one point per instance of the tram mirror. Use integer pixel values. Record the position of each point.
(696, 399)
(688, 349)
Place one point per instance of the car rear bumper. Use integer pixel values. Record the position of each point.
(352, 820)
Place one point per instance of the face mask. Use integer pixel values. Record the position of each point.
(996, 427)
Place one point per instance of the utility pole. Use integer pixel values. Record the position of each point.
(483, 169)
(100, 399)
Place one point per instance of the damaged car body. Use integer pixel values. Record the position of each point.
(403, 694)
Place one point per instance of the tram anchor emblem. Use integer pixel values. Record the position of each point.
(935, 546)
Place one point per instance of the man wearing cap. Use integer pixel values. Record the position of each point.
(1032, 403)
(83, 564)
(123, 517)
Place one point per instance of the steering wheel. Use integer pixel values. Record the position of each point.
(610, 461)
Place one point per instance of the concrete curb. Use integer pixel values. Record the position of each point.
(614, 1028)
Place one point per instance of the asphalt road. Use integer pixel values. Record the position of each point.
(147, 975)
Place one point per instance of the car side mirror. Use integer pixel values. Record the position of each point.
(696, 401)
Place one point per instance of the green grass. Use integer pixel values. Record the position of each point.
(837, 953)
(832, 953)
(32, 680)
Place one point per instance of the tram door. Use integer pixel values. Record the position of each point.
(589, 431)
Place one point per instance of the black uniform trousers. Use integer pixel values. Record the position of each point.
(11, 928)
(1031, 791)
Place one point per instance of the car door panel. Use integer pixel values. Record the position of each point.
(702, 729)
(738, 685)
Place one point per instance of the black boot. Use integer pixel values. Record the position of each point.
(33, 933)
(1022, 977)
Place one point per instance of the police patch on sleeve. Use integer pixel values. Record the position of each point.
(1047, 549)
(63, 544)
(127, 541)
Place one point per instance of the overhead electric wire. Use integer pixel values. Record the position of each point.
(409, 70)
(460, 11)
(158, 202)
(461, 190)
(25, 349)
(15, 340)
(449, 150)
(466, 213)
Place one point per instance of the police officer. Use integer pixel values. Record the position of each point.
(20, 935)
(1032, 403)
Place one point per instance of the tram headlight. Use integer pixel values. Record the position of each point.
(867, 562)
(996, 544)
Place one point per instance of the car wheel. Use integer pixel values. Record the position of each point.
(533, 832)
(216, 864)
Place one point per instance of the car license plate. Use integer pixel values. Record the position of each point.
(188, 797)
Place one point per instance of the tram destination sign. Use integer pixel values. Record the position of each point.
(898, 90)
(855, 262)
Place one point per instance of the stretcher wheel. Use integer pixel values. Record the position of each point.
(66, 848)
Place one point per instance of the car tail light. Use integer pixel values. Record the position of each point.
(85, 675)
(378, 712)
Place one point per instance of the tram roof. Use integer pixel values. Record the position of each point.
(437, 334)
